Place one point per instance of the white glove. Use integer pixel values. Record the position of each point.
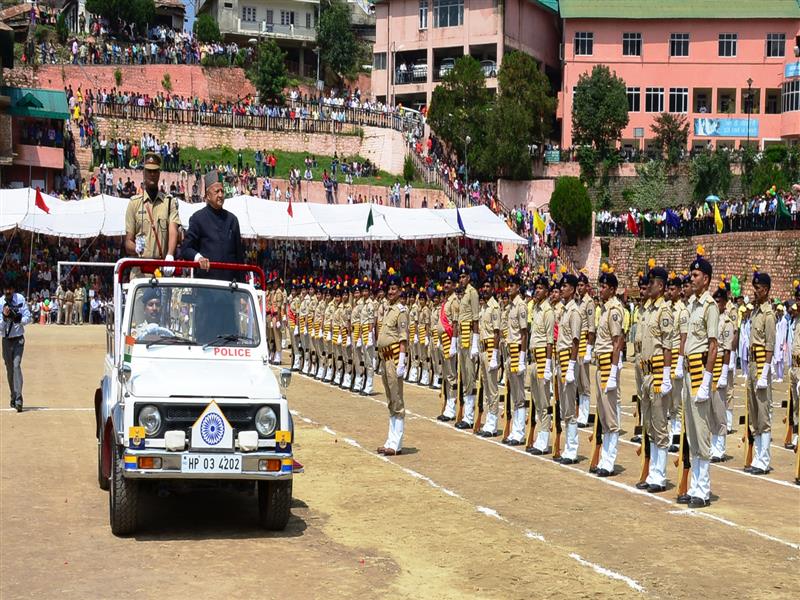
(297, 330)
(438, 342)
(348, 342)
(620, 363)
(521, 367)
(732, 362)
(723, 377)
(679, 368)
(548, 369)
(453, 347)
(401, 365)
(371, 339)
(416, 339)
(473, 351)
(493, 363)
(666, 384)
(277, 324)
(611, 384)
(358, 342)
(140, 239)
(704, 392)
(168, 271)
(587, 358)
(570, 377)
(763, 382)
(330, 336)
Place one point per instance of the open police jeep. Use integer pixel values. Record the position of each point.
(188, 393)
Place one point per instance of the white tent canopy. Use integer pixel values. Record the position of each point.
(260, 218)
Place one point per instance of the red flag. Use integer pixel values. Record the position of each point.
(633, 227)
(40, 201)
(289, 210)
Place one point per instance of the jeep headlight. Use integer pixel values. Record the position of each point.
(266, 421)
(150, 419)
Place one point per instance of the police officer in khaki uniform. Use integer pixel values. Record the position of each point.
(569, 334)
(307, 307)
(794, 371)
(517, 342)
(358, 343)
(641, 317)
(293, 318)
(656, 365)
(469, 336)
(701, 354)
(436, 340)
(151, 219)
(346, 335)
(279, 315)
(759, 376)
(680, 317)
(719, 430)
(489, 329)
(448, 335)
(413, 336)
(609, 342)
(423, 332)
(585, 347)
(540, 346)
(368, 311)
(392, 344)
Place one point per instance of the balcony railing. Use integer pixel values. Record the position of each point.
(276, 30)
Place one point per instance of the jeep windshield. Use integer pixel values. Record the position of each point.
(193, 315)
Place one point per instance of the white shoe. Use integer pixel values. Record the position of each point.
(306, 367)
(490, 426)
(425, 379)
(347, 381)
(329, 375)
(542, 440)
(368, 386)
(412, 375)
(583, 409)
(358, 383)
(450, 408)
(337, 378)
(766, 439)
(703, 487)
(571, 445)
(469, 410)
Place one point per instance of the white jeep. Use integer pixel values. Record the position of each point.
(188, 393)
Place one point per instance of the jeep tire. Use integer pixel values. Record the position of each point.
(123, 498)
(274, 504)
(103, 482)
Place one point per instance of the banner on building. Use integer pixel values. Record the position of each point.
(709, 127)
(792, 69)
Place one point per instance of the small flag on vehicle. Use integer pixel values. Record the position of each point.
(129, 343)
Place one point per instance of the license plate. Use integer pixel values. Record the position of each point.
(211, 463)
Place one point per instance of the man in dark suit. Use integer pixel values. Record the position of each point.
(213, 234)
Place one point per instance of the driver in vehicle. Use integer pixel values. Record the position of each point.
(151, 299)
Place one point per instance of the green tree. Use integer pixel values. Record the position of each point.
(268, 72)
(710, 173)
(338, 45)
(409, 170)
(671, 137)
(777, 167)
(61, 28)
(571, 208)
(139, 12)
(459, 108)
(599, 110)
(522, 116)
(206, 28)
(649, 190)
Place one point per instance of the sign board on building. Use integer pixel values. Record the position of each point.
(708, 127)
(552, 156)
(792, 69)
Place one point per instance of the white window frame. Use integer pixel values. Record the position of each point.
(656, 93)
(634, 95)
(583, 44)
(448, 13)
(249, 14)
(633, 38)
(727, 45)
(679, 99)
(424, 8)
(776, 38)
(790, 96)
(678, 39)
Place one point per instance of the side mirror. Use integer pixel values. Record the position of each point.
(124, 374)
(286, 378)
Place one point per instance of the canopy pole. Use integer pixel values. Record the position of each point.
(30, 266)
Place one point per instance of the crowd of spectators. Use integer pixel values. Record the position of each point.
(758, 213)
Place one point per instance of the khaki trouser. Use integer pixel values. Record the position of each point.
(467, 365)
(759, 401)
(393, 386)
(450, 372)
(79, 306)
(567, 393)
(295, 340)
(678, 390)
(697, 420)
(607, 404)
(277, 333)
(423, 355)
(655, 412)
(794, 378)
(582, 377)
(436, 360)
(540, 392)
(358, 360)
(68, 311)
(491, 397)
(369, 361)
(306, 343)
(718, 422)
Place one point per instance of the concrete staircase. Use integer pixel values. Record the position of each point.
(385, 148)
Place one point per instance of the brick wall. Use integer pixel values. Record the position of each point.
(777, 252)
(213, 137)
(186, 80)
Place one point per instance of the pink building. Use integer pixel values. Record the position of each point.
(701, 58)
(417, 42)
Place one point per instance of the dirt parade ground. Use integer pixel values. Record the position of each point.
(455, 516)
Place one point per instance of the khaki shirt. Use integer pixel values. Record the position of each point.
(641, 319)
(658, 327)
(368, 312)
(517, 320)
(680, 316)
(587, 314)
(80, 294)
(451, 312)
(424, 324)
(469, 307)
(569, 325)
(703, 323)
(355, 315)
(504, 312)
(69, 297)
(543, 321)
(413, 318)
(612, 315)
(489, 319)
(725, 336)
(278, 300)
(137, 221)
(394, 327)
(762, 327)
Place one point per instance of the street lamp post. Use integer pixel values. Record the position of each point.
(748, 105)
(317, 52)
(467, 141)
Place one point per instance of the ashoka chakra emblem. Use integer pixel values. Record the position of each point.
(212, 428)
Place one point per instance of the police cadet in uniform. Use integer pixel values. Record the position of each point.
(680, 317)
(515, 371)
(569, 334)
(794, 371)
(305, 304)
(436, 340)
(609, 341)
(469, 335)
(656, 365)
(759, 376)
(151, 219)
(448, 321)
(413, 336)
(585, 346)
(423, 332)
(279, 314)
(293, 318)
(489, 329)
(14, 316)
(368, 338)
(718, 400)
(346, 336)
(641, 317)
(701, 354)
(543, 319)
(358, 345)
(392, 344)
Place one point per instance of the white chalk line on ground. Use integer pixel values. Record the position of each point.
(605, 481)
(484, 510)
(692, 513)
(35, 409)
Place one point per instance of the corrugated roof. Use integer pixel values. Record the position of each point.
(549, 4)
(35, 102)
(679, 9)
